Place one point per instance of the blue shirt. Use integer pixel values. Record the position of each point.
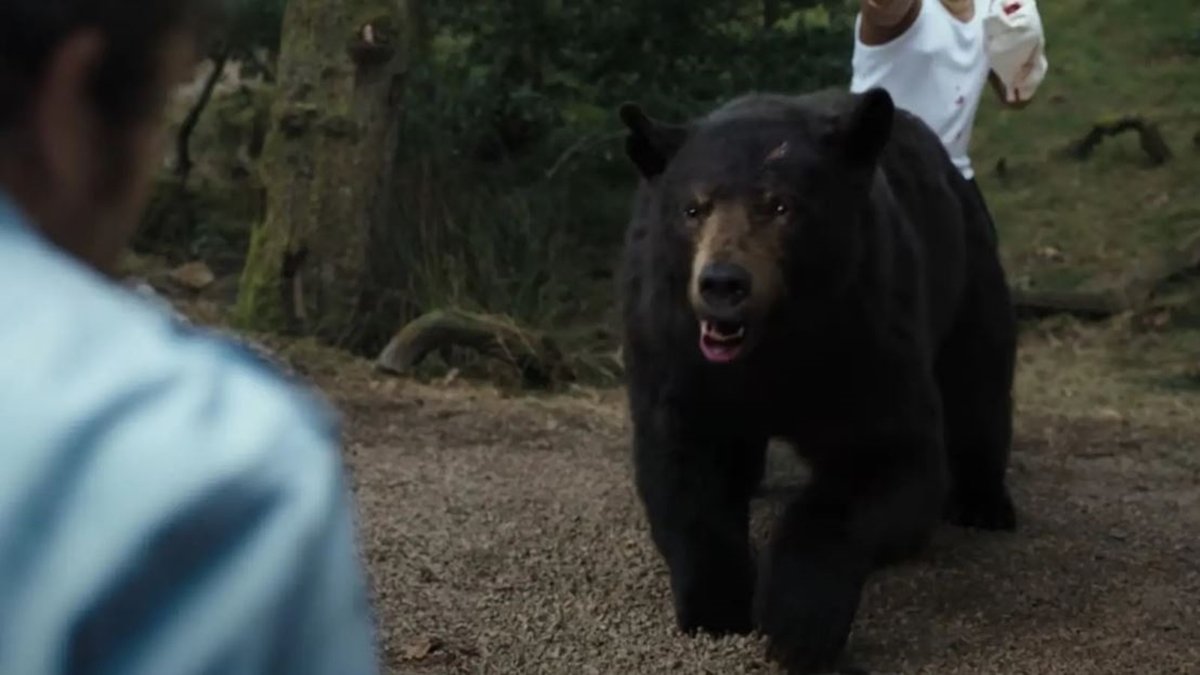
(168, 505)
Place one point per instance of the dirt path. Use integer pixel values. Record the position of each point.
(504, 537)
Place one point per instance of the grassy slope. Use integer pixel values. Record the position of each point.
(1108, 216)
(1112, 213)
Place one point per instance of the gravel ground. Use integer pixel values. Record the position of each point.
(503, 536)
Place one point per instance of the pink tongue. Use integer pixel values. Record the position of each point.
(717, 352)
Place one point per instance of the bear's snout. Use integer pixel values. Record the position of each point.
(725, 287)
(723, 292)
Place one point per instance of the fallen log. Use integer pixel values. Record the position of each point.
(1149, 136)
(1083, 304)
(536, 357)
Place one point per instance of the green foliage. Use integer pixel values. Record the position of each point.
(513, 181)
(521, 70)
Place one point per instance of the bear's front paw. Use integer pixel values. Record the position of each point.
(724, 608)
(810, 641)
(807, 618)
(984, 510)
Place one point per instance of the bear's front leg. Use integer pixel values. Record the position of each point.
(870, 506)
(696, 489)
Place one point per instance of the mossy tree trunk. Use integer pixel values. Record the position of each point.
(327, 164)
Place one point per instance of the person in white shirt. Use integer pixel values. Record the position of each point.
(932, 57)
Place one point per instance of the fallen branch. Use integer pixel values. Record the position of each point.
(1084, 304)
(1148, 134)
(536, 357)
(183, 138)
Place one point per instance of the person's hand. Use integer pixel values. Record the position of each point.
(1002, 93)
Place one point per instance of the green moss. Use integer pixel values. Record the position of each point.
(259, 306)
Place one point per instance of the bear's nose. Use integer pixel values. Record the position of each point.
(724, 286)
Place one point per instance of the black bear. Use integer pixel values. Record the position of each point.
(812, 268)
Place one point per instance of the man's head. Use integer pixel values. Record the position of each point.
(83, 84)
(765, 194)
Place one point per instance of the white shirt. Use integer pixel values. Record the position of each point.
(936, 70)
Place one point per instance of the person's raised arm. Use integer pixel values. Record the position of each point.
(885, 13)
(1015, 42)
(885, 20)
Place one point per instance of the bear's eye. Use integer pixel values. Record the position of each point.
(691, 212)
(777, 207)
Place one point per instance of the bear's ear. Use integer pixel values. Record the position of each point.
(651, 144)
(865, 129)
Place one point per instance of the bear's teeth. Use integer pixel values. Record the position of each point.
(713, 333)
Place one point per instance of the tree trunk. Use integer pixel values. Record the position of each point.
(326, 165)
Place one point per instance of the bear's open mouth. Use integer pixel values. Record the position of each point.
(721, 341)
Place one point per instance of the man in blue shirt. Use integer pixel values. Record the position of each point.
(168, 505)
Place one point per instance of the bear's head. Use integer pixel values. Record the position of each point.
(764, 202)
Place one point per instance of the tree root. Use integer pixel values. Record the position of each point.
(1148, 133)
(536, 357)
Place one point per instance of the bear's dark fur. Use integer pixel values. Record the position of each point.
(811, 268)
